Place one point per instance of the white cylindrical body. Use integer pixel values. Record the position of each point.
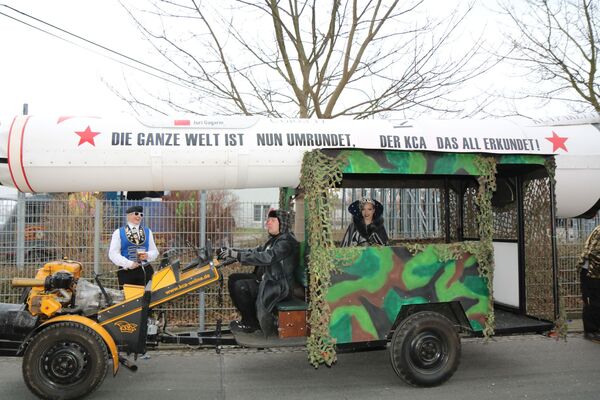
(71, 154)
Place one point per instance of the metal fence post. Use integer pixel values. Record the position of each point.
(97, 223)
(343, 208)
(20, 230)
(21, 218)
(202, 223)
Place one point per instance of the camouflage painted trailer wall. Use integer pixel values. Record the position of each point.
(366, 296)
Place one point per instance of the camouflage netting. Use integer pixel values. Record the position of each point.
(538, 254)
(470, 229)
(454, 217)
(484, 251)
(285, 197)
(560, 322)
(506, 222)
(319, 175)
(539, 279)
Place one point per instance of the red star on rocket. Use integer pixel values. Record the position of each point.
(557, 142)
(87, 136)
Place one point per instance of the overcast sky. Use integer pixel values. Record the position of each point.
(56, 77)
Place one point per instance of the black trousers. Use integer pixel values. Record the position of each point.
(137, 276)
(243, 289)
(590, 293)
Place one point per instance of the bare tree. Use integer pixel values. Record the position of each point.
(183, 206)
(298, 59)
(557, 41)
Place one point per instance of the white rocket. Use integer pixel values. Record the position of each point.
(72, 154)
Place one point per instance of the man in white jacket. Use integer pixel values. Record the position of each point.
(132, 249)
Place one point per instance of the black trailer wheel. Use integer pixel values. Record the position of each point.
(65, 361)
(425, 349)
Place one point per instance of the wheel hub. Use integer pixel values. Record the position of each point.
(427, 351)
(65, 363)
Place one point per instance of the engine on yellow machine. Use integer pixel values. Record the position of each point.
(52, 289)
(59, 289)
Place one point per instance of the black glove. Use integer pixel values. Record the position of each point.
(226, 252)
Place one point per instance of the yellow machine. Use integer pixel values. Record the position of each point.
(69, 330)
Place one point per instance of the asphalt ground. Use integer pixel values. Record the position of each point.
(515, 367)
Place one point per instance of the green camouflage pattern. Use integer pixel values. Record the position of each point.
(419, 162)
(522, 159)
(368, 293)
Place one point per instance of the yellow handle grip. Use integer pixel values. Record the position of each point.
(27, 282)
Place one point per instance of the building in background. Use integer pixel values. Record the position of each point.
(254, 205)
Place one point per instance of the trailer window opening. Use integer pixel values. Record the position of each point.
(414, 208)
(510, 181)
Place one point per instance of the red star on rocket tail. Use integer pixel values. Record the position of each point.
(87, 136)
(557, 142)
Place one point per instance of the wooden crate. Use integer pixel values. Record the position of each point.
(292, 324)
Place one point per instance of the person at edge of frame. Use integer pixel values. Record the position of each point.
(589, 262)
(132, 249)
(256, 294)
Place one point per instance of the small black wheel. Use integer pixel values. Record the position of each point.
(425, 349)
(65, 361)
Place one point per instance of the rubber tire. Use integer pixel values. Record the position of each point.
(433, 330)
(67, 333)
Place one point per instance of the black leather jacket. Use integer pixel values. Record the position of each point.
(275, 262)
(359, 234)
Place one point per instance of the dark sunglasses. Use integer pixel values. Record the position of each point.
(141, 214)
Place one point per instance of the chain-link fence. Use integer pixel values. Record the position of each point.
(571, 234)
(79, 226)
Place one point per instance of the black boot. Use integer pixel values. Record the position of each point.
(239, 326)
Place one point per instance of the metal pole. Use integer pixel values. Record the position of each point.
(521, 245)
(202, 213)
(21, 218)
(461, 211)
(405, 229)
(202, 312)
(393, 221)
(386, 210)
(20, 230)
(97, 220)
(202, 300)
(343, 208)
(447, 210)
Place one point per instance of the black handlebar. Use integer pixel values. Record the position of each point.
(191, 264)
(227, 261)
(107, 297)
(197, 261)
